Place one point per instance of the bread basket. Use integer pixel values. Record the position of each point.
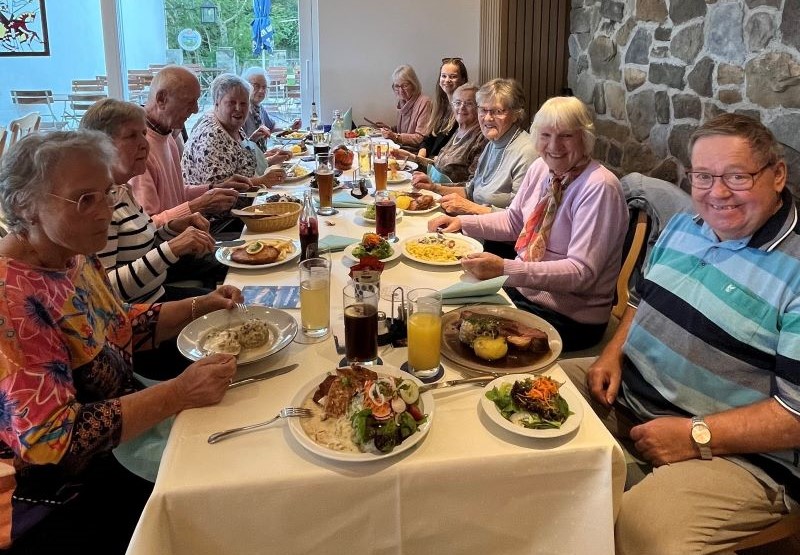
(282, 215)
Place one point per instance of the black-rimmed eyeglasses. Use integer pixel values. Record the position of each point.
(735, 181)
(88, 202)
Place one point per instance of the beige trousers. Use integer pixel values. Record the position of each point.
(689, 507)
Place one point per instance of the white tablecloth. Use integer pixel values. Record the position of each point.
(468, 487)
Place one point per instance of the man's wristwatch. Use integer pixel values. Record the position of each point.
(701, 435)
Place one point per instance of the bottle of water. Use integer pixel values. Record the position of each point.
(337, 129)
(313, 122)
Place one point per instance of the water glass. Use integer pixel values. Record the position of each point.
(315, 298)
(424, 326)
(324, 177)
(360, 304)
(364, 150)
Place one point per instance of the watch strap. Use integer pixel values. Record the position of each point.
(704, 448)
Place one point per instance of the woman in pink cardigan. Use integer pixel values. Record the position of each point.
(413, 109)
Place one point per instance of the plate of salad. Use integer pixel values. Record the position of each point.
(372, 245)
(532, 406)
(362, 414)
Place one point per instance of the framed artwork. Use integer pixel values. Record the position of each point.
(23, 28)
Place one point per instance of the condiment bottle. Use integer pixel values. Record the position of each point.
(309, 228)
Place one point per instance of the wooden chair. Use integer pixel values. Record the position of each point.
(41, 99)
(785, 528)
(633, 256)
(25, 125)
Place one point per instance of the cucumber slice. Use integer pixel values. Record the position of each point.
(409, 391)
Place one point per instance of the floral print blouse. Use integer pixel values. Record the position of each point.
(211, 156)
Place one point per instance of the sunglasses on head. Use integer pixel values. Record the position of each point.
(359, 189)
(449, 60)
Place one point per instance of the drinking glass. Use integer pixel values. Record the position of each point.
(364, 149)
(380, 163)
(324, 178)
(360, 304)
(315, 298)
(424, 326)
(321, 142)
(385, 215)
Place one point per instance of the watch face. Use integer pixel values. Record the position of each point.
(701, 434)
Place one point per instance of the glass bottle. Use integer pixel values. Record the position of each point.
(385, 215)
(309, 228)
(313, 122)
(337, 129)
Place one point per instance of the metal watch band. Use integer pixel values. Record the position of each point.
(705, 448)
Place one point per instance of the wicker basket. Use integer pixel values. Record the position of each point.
(287, 215)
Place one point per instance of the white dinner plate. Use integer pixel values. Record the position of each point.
(515, 361)
(362, 214)
(570, 396)
(296, 179)
(469, 244)
(436, 197)
(348, 252)
(402, 177)
(223, 255)
(282, 329)
(302, 438)
(410, 166)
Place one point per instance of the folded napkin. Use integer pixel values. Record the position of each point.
(465, 292)
(343, 199)
(335, 243)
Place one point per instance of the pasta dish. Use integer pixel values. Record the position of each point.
(437, 249)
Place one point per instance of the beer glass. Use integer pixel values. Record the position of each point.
(324, 178)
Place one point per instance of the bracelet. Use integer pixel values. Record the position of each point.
(194, 307)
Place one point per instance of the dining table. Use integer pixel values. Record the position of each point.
(468, 486)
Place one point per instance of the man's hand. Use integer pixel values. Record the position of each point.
(214, 201)
(603, 379)
(665, 440)
(483, 265)
(196, 220)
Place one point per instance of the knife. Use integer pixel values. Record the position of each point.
(263, 375)
(236, 243)
(450, 383)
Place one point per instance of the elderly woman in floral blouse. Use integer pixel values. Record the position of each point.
(215, 150)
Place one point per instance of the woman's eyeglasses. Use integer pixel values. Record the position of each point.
(494, 112)
(467, 105)
(404, 86)
(88, 202)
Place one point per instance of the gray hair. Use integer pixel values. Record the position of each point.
(225, 83)
(507, 92)
(406, 73)
(468, 87)
(251, 71)
(109, 115)
(29, 169)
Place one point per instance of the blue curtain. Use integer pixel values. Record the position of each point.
(262, 27)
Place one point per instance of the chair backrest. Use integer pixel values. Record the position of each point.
(277, 75)
(3, 139)
(87, 85)
(80, 102)
(29, 123)
(633, 257)
(31, 97)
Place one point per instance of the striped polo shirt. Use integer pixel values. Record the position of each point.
(718, 327)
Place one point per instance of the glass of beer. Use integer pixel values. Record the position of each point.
(424, 325)
(380, 164)
(364, 150)
(324, 177)
(315, 298)
(360, 302)
(385, 215)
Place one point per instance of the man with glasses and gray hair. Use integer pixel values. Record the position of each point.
(701, 383)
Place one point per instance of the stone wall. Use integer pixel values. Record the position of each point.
(653, 70)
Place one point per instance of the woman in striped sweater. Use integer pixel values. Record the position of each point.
(138, 255)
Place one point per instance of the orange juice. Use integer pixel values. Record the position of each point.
(424, 340)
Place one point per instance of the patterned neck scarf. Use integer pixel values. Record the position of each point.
(533, 237)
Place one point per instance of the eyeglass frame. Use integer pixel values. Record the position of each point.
(494, 112)
(458, 104)
(752, 176)
(404, 86)
(111, 195)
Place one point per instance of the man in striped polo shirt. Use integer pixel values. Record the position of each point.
(701, 383)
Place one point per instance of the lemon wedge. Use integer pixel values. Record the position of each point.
(403, 202)
(254, 247)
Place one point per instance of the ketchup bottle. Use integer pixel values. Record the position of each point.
(309, 228)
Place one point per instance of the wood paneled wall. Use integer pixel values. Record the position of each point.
(526, 40)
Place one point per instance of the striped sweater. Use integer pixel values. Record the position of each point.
(136, 255)
(718, 327)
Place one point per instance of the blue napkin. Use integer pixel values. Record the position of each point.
(335, 243)
(464, 292)
(273, 296)
(343, 199)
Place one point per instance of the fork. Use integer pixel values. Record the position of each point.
(243, 308)
(285, 412)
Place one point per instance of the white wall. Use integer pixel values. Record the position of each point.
(361, 42)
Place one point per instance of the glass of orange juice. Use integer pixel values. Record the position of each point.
(424, 325)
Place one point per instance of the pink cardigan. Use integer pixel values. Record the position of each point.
(412, 120)
(160, 189)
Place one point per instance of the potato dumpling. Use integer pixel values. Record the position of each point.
(490, 348)
(403, 202)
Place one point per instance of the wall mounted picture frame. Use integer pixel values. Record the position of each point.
(23, 28)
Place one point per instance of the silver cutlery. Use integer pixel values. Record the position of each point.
(286, 412)
(252, 214)
(242, 308)
(450, 383)
(263, 376)
(235, 243)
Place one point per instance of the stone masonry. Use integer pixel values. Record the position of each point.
(653, 70)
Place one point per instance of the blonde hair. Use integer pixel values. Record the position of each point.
(569, 114)
(507, 92)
